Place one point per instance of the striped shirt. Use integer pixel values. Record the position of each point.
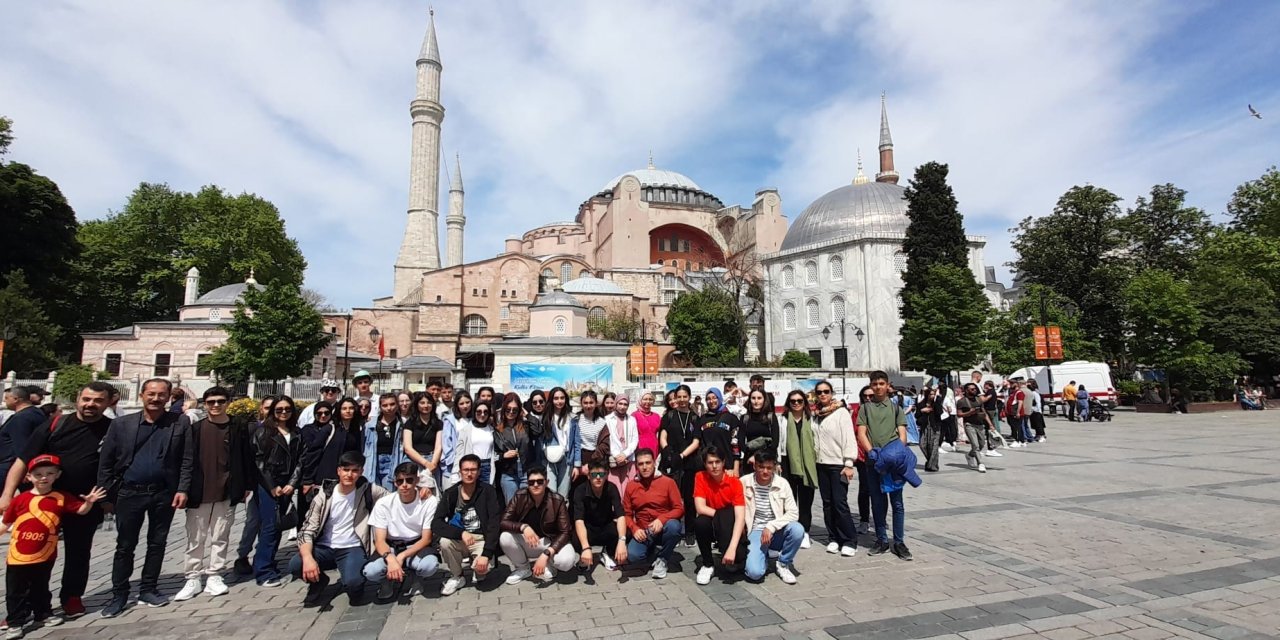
(764, 510)
(589, 433)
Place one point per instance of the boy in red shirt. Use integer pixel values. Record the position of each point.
(33, 517)
(722, 515)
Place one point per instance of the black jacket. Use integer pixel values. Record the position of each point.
(487, 510)
(240, 463)
(119, 447)
(279, 462)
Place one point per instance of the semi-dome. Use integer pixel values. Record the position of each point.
(592, 285)
(226, 295)
(855, 209)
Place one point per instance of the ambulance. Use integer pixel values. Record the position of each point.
(1095, 376)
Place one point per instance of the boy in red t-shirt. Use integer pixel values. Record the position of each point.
(722, 515)
(33, 518)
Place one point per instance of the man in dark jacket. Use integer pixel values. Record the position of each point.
(223, 467)
(536, 525)
(467, 524)
(146, 467)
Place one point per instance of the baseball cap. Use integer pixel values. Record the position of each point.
(329, 383)
(45, 459)
(361, 374)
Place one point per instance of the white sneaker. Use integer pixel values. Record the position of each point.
(519, 575)
(848, 552)
(994, 454)
(52, 621)
(806, 543)
(214, 586)
(946, 446)
(189, 590)
(982, 468)
(833, 547)
(784, 572)
(659, 569)
(548, 573)
(607, 561)
(452, 585)
(704, 575)
(1042, 439)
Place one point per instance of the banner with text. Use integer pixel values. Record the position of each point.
(573, 377)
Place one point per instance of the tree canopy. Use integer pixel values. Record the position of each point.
(618, 324)
(945, 332)
(935, 229)
(31, 349)
(706, 326)
(276, 333)
(1010, 338)
(1255, 206)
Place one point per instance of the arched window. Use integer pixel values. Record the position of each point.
(810, 273)
(596, 313)
(566, 271)
(788, 317)
(474, 325)
(811, 313)
(837, 308)
(548, 273)
(788, 277)
(900, 261)
(837, 268)
(562, 325)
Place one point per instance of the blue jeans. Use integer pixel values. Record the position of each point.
(386, 468)
(510, 484)
(264, 560)
(250, 533)
(349, 562)
(838, 519)
(880, 502)
(1024, 424)
(665, 541)
(786, 541)
(424, 564)
(486, 472)
(560, 477)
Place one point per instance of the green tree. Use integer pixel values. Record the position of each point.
(39, 226)
(1163, 233)
(706, 325)
(134, 263)
(30, 351)
(1255, 206)
(225, 362)
(1009, 333)
(795, 359)
(945, 331)
(6, 135)
(618, 324)
(1236, 287)
(276, 333)
(71, 378)
(935, 231)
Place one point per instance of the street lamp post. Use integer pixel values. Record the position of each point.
(644, 338)
(844, 347)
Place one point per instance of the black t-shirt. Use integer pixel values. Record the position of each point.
(720, 430)
(681, 429)
(600, 511)
(386, 438)
(978, 419)
(762, 426)
(16, 431)
(424, 437)
(77, 444)
(989, 400)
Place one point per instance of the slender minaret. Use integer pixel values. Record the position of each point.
(886, 173)
(420, 249)
(456, 221)
(192, 292)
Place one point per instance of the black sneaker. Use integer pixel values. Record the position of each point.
(879, 548)
(901, 550)
(243, 567)
(152, 599)
(115, 607)
(315, 591)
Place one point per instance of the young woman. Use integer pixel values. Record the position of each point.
(486, 395)
(836, 454)
(535, 407)
(457, 425)
(421, 435)
(647, 424)
(624, 438)
(512, 447)
(678, 440)
(404, 404)
(590, 422)
(990, 406)
(930, 408)
(607, 402)
(366, 409)
(559, 442)
(798, 452)
(759, 429)
(278, 455)
(382, 443)
(865, 396)
(480, 439)
(720, 428)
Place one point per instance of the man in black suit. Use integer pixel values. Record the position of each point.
(146, 466)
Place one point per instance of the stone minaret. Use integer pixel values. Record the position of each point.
(886, 173)
(456, 221)
(192, 292)
(420, 249)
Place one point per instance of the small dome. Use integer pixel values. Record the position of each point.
(557, 298)
(855, 209)
(226, 295)
(592, 285)
(652, 177)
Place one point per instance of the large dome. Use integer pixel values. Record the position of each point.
(855, 209)
(652, 177)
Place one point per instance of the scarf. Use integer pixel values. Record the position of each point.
(802, 451)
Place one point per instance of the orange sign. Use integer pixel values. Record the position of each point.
(643, 361)
(1055, 343)
(1042, 342)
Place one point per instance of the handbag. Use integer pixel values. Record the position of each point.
(603, 447)
(756, 444)
(555, 453)
(288, 514)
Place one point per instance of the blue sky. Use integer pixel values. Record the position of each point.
(307, 105)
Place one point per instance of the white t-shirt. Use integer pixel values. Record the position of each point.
(403, 521)
(340, 528)
(482, 442)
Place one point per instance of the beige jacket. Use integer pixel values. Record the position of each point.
(318, 513)
(835, 439)
(785, 509)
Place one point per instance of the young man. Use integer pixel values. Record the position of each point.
(969, 409)
(363, 383)
(1069, 399)
(444, 402)
(598, 519)
(468, 523)
(654, 512)
(75, 440)
(329, 392)
(336, 534)
(145, 458)
(721, 507)
(773, 518)
(402, 534)
(34, 516)
(879, 422)
(536, 525)
(222, 459)
(26, 418)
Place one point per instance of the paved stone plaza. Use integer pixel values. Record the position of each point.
(1147, 527)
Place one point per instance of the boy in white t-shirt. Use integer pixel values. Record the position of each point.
(401, 524)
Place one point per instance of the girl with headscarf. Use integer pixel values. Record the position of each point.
(720, 428)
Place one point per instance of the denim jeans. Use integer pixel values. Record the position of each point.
(786, 541)
(349, 562)
(665, 541)
(510, 484)
(250, 533)
(132, 507)
(264, 559)
(424, 564)
(880, 503)
(486, 471)
(386, 469)
(834, 490)
(560, 477)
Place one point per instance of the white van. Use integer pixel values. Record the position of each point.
(1095, 376)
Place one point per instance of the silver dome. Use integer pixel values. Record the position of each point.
(592, 285)
(855, 209)
(557, 298)
(226, 295)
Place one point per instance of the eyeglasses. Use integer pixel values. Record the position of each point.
(537, 483)
(283, 410)
(597, 474)
(408, 481)
(823, 392)
(216, 402)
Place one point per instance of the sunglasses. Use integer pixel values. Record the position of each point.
(323, 414)
(216, 402)
(796, 401)
(284, 410)
(482, 412)
(539, 402)
(537, 483)
(512, 409)
(597, 474)
(824, 392)
(408, 481)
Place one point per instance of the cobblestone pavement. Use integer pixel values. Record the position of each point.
(1147, 527)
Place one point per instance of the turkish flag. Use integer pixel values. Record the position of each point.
(382, 348)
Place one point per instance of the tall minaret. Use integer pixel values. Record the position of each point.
(420, 249)
(455, 222)
(886, 173)
(192, 292)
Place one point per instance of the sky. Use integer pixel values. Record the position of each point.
(306, 105)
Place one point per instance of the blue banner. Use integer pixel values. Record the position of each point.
(575, 378)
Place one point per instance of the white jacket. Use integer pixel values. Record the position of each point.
(623, 439)
(835, 439)
(781, 500)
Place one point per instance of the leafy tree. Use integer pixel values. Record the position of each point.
(706, 325)
(134, 263)
(1236, 287)
(30, 351)
(618, 324)
(795, 359)
(935, 231)
(949, 315)
(1255, 206)
(276, 333)
(6, 135)
(1010, 338)
(1163, 233)
(224, 361)
(71, 378)
(39, 227)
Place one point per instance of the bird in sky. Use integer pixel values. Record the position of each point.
(1254, 112)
